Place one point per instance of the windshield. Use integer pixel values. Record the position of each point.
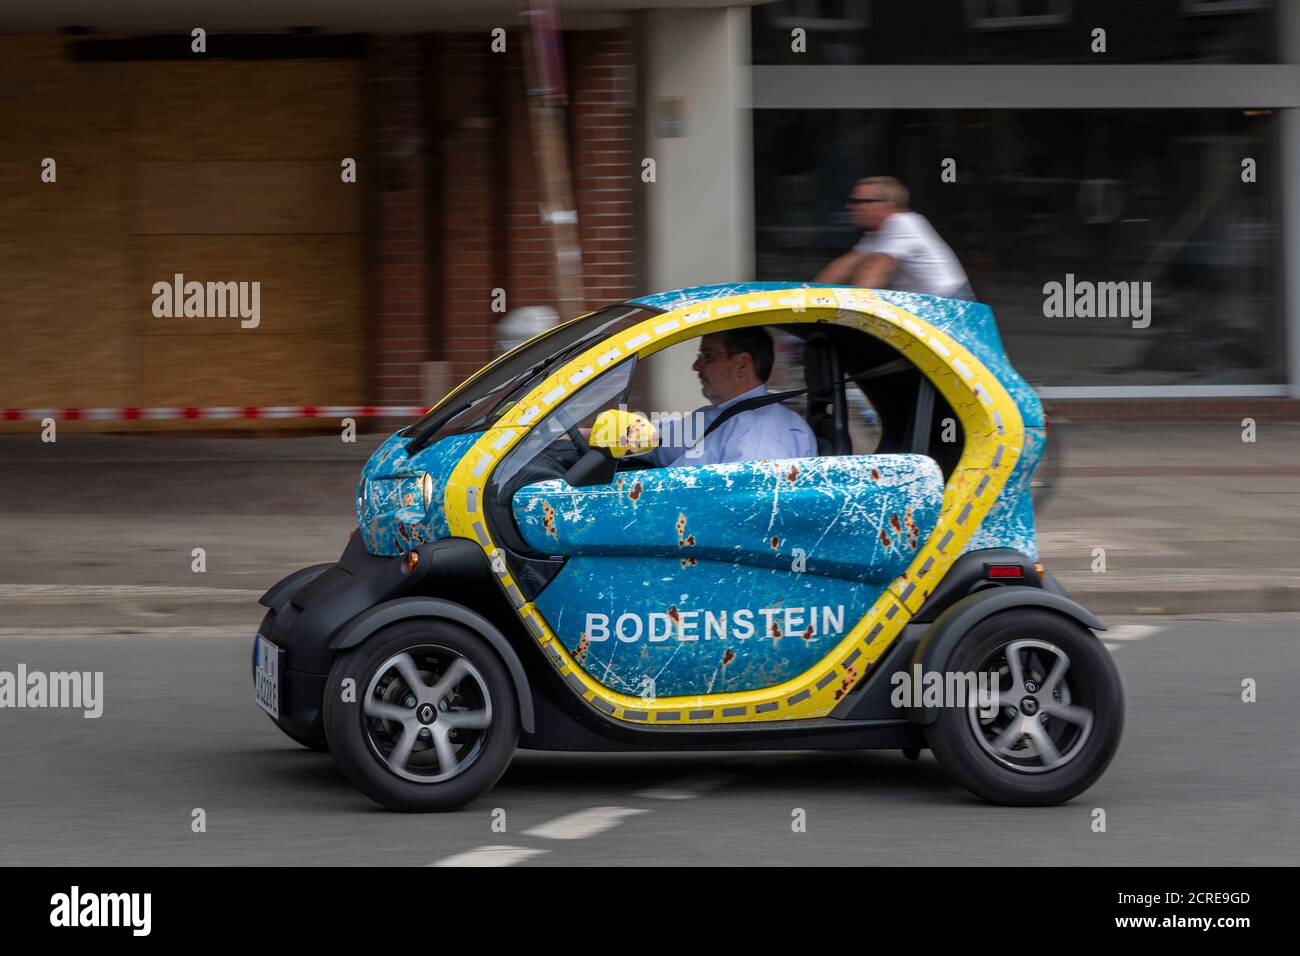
(490, 394)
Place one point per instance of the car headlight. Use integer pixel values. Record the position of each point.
(426, 489)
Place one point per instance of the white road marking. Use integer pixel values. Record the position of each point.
(572, 826)
(1127, 632)
(582, 823)
(489, 856)
(1130, 632)
(685, 789)
(665, 793)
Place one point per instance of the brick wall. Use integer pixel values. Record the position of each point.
(397, 192)
(471, 223)
(606, 173)
(468, 130)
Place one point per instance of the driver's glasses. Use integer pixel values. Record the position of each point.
(705, 356)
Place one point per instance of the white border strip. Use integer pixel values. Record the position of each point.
(1163, 391)
(1165, 86)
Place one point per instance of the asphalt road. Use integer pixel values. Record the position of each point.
(1201, 777)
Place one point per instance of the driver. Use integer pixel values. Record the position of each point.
(734, 366)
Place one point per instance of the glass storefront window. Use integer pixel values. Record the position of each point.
(1104, 196)
(1014, 31)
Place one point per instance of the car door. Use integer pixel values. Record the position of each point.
(710, 579)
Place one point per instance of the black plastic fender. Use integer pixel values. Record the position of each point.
(285, 588)
(381, 615)
(952, 625)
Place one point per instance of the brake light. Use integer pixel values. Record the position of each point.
(1004, 571)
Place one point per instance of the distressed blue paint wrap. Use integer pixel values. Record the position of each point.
(972, 324)
(859, 517)
(390, 510)
(679, 648)
(705, 293)
(1010, 522)
(699, 540)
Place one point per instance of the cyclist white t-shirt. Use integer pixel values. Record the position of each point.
(924, 262)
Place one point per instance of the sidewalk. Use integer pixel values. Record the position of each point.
(1191, 520)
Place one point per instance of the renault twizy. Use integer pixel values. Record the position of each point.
(520, 578)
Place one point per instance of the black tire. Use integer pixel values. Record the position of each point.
(357, 740)
(1092, 682)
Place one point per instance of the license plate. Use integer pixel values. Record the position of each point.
(266, 676)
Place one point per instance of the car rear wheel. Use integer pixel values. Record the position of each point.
(422, 716)
(1058, 716)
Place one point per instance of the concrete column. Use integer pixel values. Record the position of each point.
(699, 219)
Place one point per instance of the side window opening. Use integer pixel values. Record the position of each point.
(947, 439)
(667, 388)
(857, 393)
(863, 397)
(893, 408)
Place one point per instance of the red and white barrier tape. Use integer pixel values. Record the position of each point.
(211, 414)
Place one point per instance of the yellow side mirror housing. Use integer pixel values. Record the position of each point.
(624, 434)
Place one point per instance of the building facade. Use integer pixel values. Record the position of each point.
(709, 143)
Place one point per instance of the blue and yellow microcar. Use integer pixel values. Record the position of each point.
(520, 578)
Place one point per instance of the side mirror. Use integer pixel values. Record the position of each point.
(624, 434)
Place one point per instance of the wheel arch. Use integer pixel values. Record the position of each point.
(284, 589)
(938, 643)
(368, 622)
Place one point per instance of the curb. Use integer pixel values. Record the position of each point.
(1206, 600)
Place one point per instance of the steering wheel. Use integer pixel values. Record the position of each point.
(579, 442)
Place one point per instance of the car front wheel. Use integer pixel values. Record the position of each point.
(422, 716)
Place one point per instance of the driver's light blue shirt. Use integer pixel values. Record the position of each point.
(772, 431)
